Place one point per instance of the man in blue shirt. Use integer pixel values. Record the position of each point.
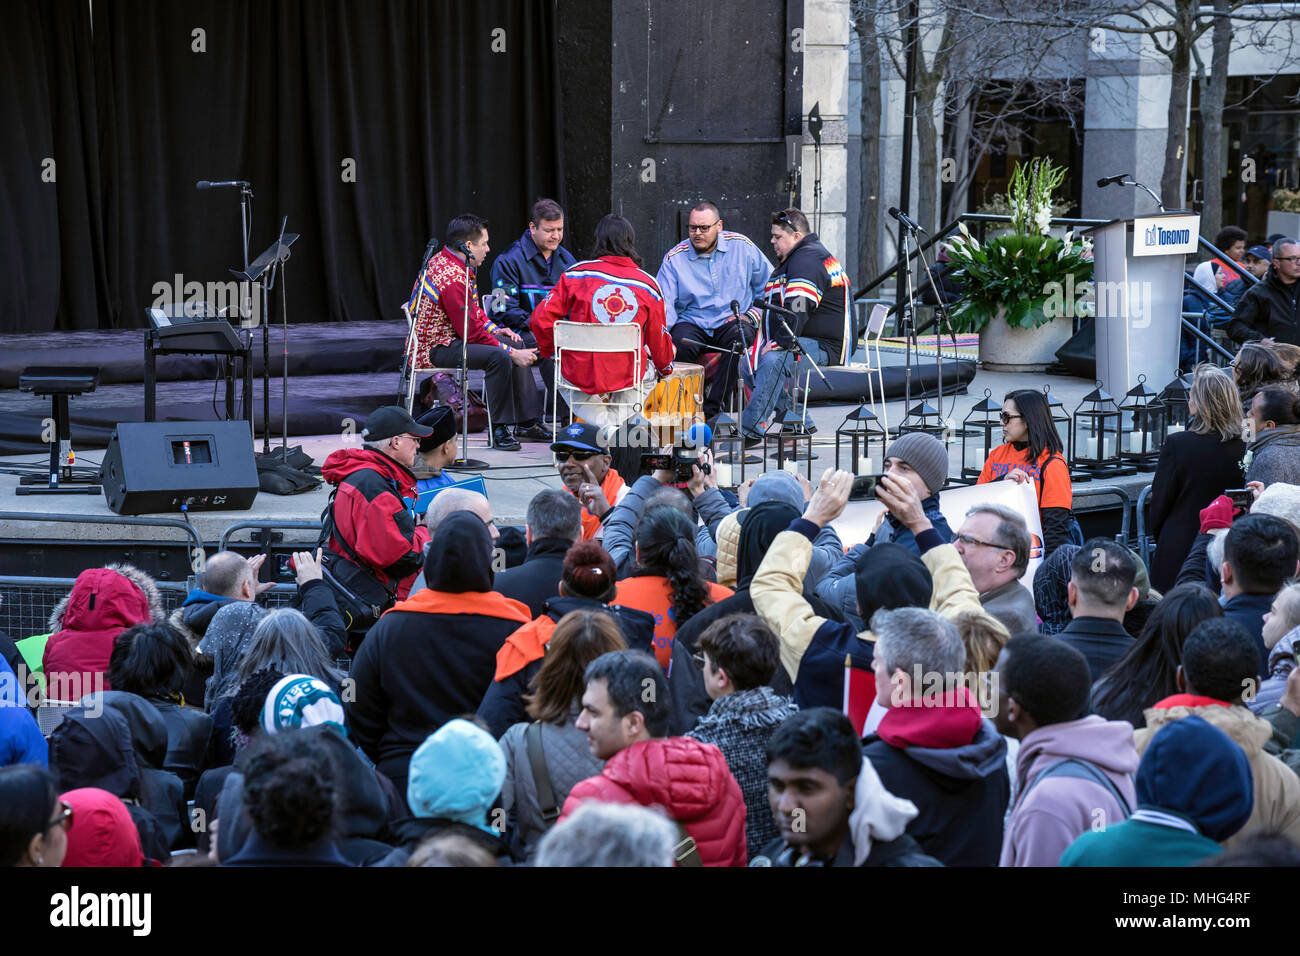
(527, 270)
(699, 278)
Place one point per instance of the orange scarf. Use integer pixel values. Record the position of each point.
(524, 646)
(610, 486)
(484, 603)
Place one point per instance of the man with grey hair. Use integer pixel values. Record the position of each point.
(994, 545)
(934, 746)
(1270, 309)
(609, 834)
(553, 524)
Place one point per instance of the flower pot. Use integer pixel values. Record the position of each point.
(1004, 349)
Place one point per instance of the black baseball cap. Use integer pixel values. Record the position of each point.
(391, 421)
(583, 436)
(1260, 252)
(443, 422)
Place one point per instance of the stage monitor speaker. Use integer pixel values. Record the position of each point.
(158, 467)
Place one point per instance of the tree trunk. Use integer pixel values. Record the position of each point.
(1173, 183)
(960, 151)
(927, 152)
(867, 263)
(1212, 124)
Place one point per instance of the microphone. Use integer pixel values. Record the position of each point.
(905, 219)
(735, 308)
(770, 307)
(428, 253)
(699, 435)
(1107, 180)
(204, 184)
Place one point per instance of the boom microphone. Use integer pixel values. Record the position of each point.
(204, 184)
(1107, 180)
(771, 307)
(905, 219)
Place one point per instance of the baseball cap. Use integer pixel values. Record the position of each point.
(583, 436)
(443, 422)
(390, 421)
(1260, 252)
(1275, 237)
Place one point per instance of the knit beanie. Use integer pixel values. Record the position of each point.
(927, 456)
(776, 486)
(301, 700)
(456, 774)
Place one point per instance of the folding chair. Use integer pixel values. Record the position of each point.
(414, 363)
(619, 337)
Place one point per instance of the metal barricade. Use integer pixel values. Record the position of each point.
(1126, 505)
(1144, 542)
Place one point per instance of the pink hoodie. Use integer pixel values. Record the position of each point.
(1049, 818)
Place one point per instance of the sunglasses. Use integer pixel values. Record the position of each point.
(1006, 419)
(693, 228)
(64, 819)
(783, 219)
(562, 456)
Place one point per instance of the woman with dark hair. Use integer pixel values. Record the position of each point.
(669, 584)
(1274, 455)
(34, 822)
(1258, 366)
(608, 289)
(1148, 670)
(1195, 467)
(154, 661)
(553, 706)
(587, 583)
(1033, 451)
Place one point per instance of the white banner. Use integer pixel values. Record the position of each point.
(859, 518)
(1166, 235)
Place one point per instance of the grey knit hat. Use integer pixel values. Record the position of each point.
(927, 456)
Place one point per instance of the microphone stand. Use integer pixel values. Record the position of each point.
(281, 256)
(942, 319)
(406, 394)
(464, 462)
(1148, 190)
(909, 320)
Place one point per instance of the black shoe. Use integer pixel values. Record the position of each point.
(752, 441)
(532, 431)
(502, 439)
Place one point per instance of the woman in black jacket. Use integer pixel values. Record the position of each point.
(1195, 467)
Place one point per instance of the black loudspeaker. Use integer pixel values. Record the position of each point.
(153, 467)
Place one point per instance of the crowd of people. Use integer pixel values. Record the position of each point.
(657, 672)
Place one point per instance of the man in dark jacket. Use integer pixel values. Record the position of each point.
(1100, 593)
(1259, 556)
(1270, 310)
(431, 657)
(373, 545)
(553, 524)
(933, 746)
(815, 764)
(811, 283)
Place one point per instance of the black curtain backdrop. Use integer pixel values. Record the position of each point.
(409, 97)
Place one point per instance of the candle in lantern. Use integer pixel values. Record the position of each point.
(791, 466)
(1090, 447)
(864, 465)
(723, 473)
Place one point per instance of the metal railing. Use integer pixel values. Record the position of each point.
(265, 526)
(189, 529)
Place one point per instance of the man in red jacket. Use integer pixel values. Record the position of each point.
(625, 714)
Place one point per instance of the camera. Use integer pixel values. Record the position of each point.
(684, 456)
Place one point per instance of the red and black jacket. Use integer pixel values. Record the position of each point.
(373, 526)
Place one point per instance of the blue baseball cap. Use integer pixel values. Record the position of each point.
(1260, 252)
(582, 436)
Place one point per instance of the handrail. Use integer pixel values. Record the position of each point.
(185, 526)
(1143, 540)
(1126, 502)
(266, 526)
(1209, 342)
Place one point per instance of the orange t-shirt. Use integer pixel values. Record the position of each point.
(1054, 489)
(651, 593)
(612, 485)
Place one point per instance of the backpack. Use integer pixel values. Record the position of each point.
(1076, 532)
(1082, 770)
(360, 595)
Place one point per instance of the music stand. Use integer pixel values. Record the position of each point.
(277, 252)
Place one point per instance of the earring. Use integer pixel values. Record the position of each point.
(40, 860)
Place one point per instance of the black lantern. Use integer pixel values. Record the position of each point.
(861, 428)
(977, 434)
(1142, 426)
(1174, 397)
(728, 451)
(782, 440)
(1094, 434)
(924, 417)
(1060, 417)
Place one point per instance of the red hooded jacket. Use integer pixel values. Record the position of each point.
(689, 780)
(103, 833)
(102, 605)
(372, 518)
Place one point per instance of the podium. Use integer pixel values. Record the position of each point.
(1138, 267)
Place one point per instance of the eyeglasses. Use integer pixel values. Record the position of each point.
(700, 659)
(972, 542)
(1006, 419)
(64, 819)
(1285, 258)
(695, 228)
(562, 456)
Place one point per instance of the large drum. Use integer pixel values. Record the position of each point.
(675, 403)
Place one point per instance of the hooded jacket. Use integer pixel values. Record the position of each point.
(1276, 788)
(568, 762)
(431, 657)
(740, 725)
(1275, 456)
(1048, 816)
(951, 762)
(103, 603)
(373, 526)
(1281, 662)
(689, 780)
(104, 833)
(20, 736)
(1193, 788)
(522, 655)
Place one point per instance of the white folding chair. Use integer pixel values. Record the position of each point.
(618, 337)
(50, 713)
(414, 363)
(871, 345)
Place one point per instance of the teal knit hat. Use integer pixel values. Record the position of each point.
(456, 774)
(301, 700)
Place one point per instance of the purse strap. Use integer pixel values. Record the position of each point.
(541, 775)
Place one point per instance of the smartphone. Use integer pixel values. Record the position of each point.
(864, 487)
(285, 566)
(1242, 498)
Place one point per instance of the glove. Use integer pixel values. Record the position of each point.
(1217, 515)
